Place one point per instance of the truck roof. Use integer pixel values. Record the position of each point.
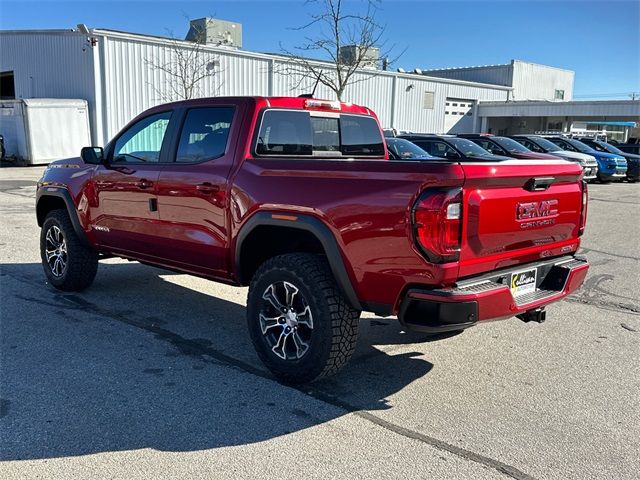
(302, 103)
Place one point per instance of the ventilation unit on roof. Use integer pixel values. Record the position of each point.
(370, 57)
(211, 31)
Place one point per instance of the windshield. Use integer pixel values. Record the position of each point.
(581, 147)
(547, 145)
(605, 147)
(511, 145)
(405, 150)
(468, 148)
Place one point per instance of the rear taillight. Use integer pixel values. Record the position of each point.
(583, 212)
(437, 223)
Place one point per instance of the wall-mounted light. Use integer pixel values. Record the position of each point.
(410, 87)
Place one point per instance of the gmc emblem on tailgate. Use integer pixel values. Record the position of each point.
(532, 210)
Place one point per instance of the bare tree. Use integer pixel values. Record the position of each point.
(333, 28)
(185, 68)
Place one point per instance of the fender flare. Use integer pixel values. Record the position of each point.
(64, 194)
(317, 228)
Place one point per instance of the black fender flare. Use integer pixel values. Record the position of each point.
(63, 194)
(317, 228)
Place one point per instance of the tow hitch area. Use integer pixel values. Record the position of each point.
(538, 315)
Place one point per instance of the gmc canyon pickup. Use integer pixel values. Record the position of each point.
(297, 198)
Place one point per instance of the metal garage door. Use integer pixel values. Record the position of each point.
(458, 116)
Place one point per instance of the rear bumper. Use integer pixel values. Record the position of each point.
(488, 297)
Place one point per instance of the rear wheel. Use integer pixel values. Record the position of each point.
(300, 324)
(67, 263)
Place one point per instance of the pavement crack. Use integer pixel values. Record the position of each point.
(196, 347)
(585, 250)
(594, 199)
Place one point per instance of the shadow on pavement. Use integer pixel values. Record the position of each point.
(138, 361)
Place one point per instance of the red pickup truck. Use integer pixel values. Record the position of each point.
(296, 198)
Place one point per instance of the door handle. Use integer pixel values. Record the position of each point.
(144, 184)
(207, 188)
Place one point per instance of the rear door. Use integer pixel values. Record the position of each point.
(519, 211)
(193, 194)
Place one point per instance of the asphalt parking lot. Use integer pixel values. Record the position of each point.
(151, 374)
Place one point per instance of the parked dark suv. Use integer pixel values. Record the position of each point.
(451, 147)
(506, 147)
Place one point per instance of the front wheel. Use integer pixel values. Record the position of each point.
(300, 324)
(68, 265)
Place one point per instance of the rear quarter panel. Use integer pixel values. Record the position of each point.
(366, 204)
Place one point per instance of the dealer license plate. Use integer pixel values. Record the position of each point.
(523, 282)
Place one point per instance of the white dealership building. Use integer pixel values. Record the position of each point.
(114, 73)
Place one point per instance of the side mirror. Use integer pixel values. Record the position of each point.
(451, 155)
(92, 155)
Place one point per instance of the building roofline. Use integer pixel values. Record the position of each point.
(105, 32)
(271, 56)
(478, 67)
(51, 31)
(473, 67)
(525, 103)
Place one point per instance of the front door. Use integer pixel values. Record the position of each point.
(124, 214)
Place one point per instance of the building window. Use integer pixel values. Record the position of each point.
(559, 95)
(428, 100)
(7, 86)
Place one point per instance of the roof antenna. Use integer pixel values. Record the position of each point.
(313, 92)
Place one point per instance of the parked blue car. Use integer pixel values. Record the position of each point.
(610, 165)
(633, 160)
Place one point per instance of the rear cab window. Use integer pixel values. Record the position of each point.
(318, 134)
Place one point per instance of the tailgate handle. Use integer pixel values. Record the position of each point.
(538, 184)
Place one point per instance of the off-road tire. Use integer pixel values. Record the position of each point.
(82, 262)
(335, 322)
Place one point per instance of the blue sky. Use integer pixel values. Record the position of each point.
(599, 40)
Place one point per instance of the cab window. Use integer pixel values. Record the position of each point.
(360, 136)
(302, 133)
(285, 132)
(204, 134)
(142, 142)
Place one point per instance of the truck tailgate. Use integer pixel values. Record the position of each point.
(518, 211)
